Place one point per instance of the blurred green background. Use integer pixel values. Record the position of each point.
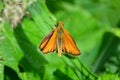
(94, 24)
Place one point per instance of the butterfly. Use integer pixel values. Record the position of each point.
(60, 40)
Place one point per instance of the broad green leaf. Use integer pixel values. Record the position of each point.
(10, 51)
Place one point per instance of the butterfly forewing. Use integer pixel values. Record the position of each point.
(49, 43)
(69, 45)
(45, 40)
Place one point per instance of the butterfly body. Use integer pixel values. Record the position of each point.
(60, 40)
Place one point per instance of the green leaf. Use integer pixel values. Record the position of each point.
(115, 31)
(1, 67)
(110, 77)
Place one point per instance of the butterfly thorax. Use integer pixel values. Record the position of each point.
(60, 29)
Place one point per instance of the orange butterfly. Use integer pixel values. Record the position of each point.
(60, 40)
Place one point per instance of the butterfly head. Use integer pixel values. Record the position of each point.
(59, 24)
(60, 29)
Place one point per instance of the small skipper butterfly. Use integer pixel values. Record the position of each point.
(59, 39)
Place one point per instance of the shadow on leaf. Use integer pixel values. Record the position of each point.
(32, 58)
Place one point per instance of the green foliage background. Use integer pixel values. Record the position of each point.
(94, 24)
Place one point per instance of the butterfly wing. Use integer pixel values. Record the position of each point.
(48, 44)
(69, 45)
